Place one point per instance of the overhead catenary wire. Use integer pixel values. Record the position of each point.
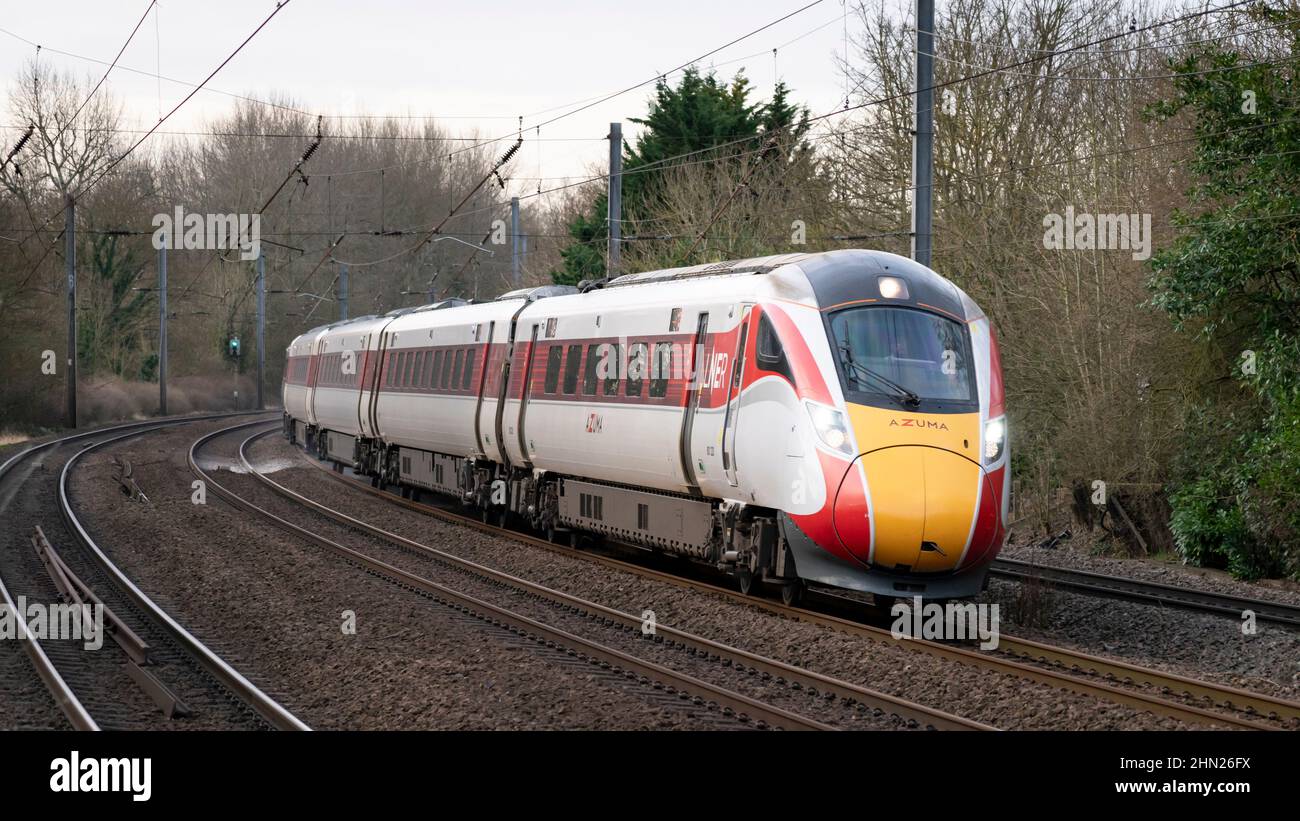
(111, 66)
(658, 77)
(713, 148)
(906, 94)
(280, 5)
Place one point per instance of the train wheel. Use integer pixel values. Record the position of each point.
(792, 593)
(745, 579)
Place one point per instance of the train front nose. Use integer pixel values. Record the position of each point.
(923, 499)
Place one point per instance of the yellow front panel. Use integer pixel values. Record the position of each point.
(878, 428)
(896, 481)
(923, 482)
(952, 486)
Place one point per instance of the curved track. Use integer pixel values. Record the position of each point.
(90, 688)
(840, 693)
(1163, 693)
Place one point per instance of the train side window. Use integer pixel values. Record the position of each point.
(401, 369)
(638, 360)
(418, 374)
(770, 352)
(428, 367)
(661, 368)
(589, 373)
(572, 362)
(437, 369)
(410, 366)
(445, 376)
(455, 374)
(613, 366)
(554, 356)
(469, 369)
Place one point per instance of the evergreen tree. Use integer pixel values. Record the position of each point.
(700, 119)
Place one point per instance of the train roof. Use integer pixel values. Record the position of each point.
(836, 278)
(537, 292)
(755, 265)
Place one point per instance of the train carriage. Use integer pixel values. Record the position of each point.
(832, 418)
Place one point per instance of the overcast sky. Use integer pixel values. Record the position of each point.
(475, 65)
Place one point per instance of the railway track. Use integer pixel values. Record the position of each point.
(1163, 693)
(1118, 587)
(149, 669)
(625, 631)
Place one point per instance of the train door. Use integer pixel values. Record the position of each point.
(480, 445)
(523, 397)
(362, 354)
(695, 383)
(376, 376)
(504, 389)
(732, 418)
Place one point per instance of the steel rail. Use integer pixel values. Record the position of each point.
(1100, 584)
(901, 708)
(59, 689)
(1220, 695)
(270, 710)
(758, 711)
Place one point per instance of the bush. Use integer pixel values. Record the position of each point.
(1243, 514)
(1207, 522)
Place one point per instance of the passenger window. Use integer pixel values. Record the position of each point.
(589, 373)
(419, 369)
(638, 360)
(467, 382)
(554, 356)
(613, 364)
(455, 374)
(428, 367)
(661, 368)
(445, 376)
(437, 369)
(572, 363)
(406, 371)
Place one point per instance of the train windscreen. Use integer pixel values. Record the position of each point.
(900, 356)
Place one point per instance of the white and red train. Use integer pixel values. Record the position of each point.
(834, 418)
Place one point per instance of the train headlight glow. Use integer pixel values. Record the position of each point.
(831, 426)
(995, 439)
(892, 288)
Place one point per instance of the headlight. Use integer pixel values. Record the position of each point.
(831, 426)
(995, 439)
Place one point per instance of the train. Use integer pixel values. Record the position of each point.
(808, 420)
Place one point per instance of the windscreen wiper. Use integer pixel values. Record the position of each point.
(908, 396)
